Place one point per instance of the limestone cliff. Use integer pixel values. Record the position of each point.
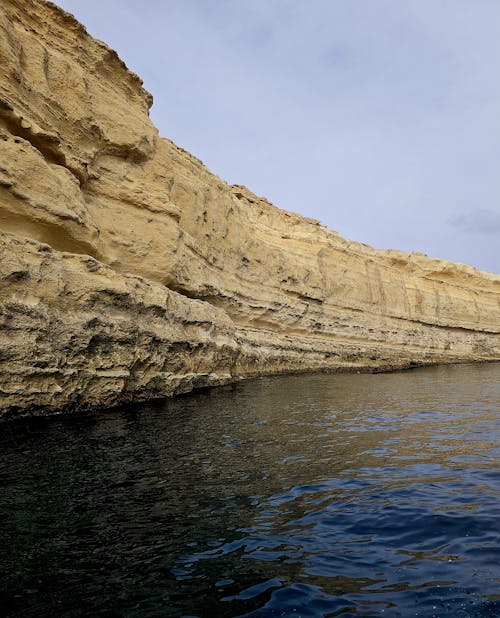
(129, 271)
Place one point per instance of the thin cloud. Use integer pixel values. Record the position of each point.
(482, 221)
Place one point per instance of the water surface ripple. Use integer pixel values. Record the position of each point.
(319, 495)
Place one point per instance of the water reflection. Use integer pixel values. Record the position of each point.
(295, 496)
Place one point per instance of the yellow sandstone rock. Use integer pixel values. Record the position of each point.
(129, 271)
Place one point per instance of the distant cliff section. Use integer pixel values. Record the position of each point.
(128, 271)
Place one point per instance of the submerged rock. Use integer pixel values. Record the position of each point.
(128, 271)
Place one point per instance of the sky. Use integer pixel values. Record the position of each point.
(380, 118)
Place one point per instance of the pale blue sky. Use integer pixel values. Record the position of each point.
(381, 118)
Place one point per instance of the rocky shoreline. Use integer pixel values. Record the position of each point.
(129, 272)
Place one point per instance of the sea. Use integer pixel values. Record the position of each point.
(316, 495)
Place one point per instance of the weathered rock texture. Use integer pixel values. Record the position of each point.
(129, 271)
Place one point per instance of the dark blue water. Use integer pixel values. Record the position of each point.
(324, 495)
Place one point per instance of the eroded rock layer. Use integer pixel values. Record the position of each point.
(129, 271)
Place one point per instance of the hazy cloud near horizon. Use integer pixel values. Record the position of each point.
(478, 222)
(381, 118)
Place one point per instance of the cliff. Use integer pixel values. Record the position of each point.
(129, 271)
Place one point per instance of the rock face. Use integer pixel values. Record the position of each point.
(129, 271)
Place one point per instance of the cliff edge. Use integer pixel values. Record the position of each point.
(129, 271)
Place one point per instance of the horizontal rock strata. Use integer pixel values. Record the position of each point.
(128, 271)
